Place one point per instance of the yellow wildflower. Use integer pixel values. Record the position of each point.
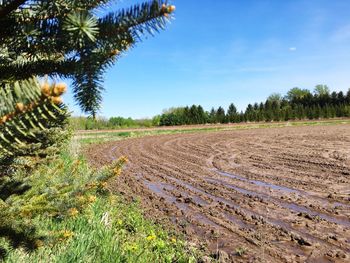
(117, 171)
(91, 185)
(67, 234)
(151, 237)
(103, 184)
(173, 240)
(131, 247)
(123, 159)
(91, 198)
(73, 211)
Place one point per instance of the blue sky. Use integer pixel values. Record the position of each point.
(220, 51)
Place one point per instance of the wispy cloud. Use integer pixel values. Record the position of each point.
(341, 34)
(257, 69)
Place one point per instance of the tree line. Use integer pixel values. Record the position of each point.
(297, 104)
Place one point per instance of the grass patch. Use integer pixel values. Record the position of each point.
(78, 220)
(107, 231)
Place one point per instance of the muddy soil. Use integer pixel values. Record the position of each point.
(264, 195)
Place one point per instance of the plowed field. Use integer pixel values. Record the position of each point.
(263, 195)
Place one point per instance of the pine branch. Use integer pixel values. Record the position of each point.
(139, 19)
(63, 37)
(27, 109)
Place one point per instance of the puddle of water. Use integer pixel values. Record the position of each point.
(202, 218)
(281, 188)
(199, 200)
(158, 189)
(260, 183)
(290, 206)
(234, 220)
(273, 222)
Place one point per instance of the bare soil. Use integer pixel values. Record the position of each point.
(264, 195)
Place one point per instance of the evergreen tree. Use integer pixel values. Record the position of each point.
(268, 114)
(276, 110)
(298, 104)
(186, 116)
(341, 98)
(334, 98)
(232, 113)
(249, 113)
(201, 115)
(67, 39)
(212, 115)
(193, 115)
(348, 97)
(220, 115)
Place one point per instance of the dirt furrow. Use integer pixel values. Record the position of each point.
(280, 194)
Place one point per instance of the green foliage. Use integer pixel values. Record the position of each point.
(298, 104)
(81, 221)
(32, 124)
(67, 39)
(184, 115)
(83, 123)
(58, 190)
(297, 93)
(232, 114)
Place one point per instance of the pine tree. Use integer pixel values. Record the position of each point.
(67, 39)
(348, 97)
(201, 115)
(212, 115)
(232, 113)
(268, 114)
(58, 39)
(220, 115)
(194, 115)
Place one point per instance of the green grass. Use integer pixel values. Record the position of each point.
(82, 222)
(108, 231)
(103, 136)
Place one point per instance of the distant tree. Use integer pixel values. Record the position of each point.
(276, 114)
(268, 114)
(321, 90)
(201, 115)
(220, 115)
(249, 113)
(156, 120)
(232, 113)
(212, 115)
(341, 98)
(186, 118)
(193, 115)
(348, 97)
(334, 98)
(297, 104)
(275, 97)
(296, 94)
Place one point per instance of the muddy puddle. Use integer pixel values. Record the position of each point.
(283, 189)
(291, 206)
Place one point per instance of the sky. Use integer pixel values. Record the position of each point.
(217, 52)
